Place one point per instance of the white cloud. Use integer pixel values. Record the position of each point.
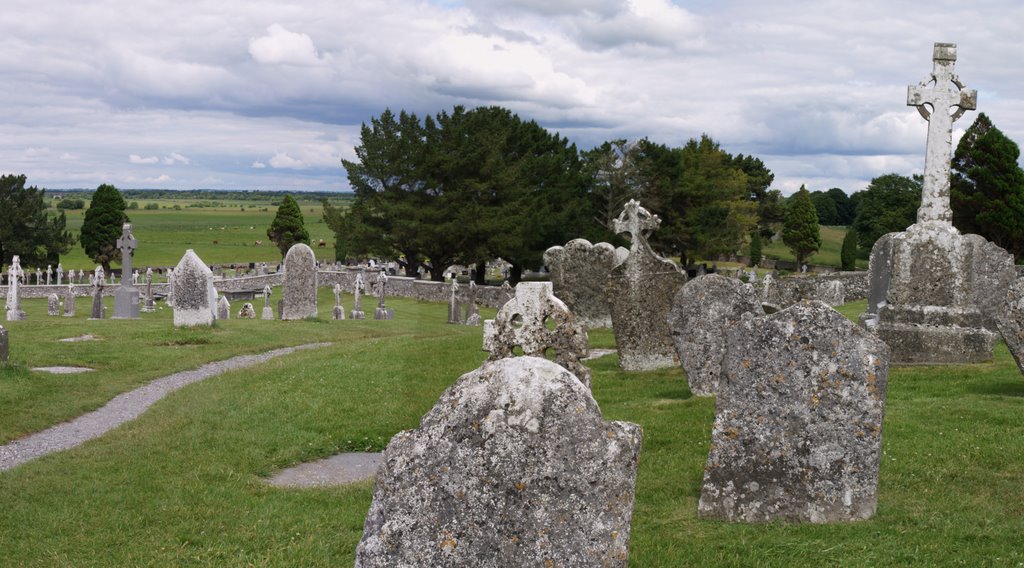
(258, 165)
(175, 158)
(283, 46)
(137, 159)
(282, 160)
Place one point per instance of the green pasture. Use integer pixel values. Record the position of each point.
(183, 485)
(828, 254)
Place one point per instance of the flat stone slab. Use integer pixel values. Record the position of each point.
(341, 469)
(63, 370)
(86, 337)
(598, 353)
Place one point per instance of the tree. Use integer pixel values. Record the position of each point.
(825, 207)
(987, 189)
(845, 207)
(340, 224)
(800, 231)
(759, 180)
(755, 248)
(848, 254)
(888, 204)
(288, 227)
(102, 226)
(617, 177)
(25, 228)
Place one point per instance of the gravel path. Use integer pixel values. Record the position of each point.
(122, 408)
(339, 469)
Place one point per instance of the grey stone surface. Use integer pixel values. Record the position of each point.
(640, 292)
(98, 309)
(339, 311)
(62, 370)
(194, 295)
(472, 311)
(454, 307)
(126, 296)
(223, 308)
(150, 304)
(358, 287)
(340, 469)
(798, 420)
(538, 324)
(268, 312)
(13, 300)
(831, 292)
(53, 305)
(514, 466)
(702, 313)
(124, 408)
(299, 283)
(1011, 321)
(380, 288)
(5, 345)
(247, 311)
(579, 271)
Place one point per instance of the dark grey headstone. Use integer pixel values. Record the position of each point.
(4, 345)
(514, 466)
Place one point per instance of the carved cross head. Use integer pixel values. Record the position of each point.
(942, 89)
(127, 242)
(636, 221)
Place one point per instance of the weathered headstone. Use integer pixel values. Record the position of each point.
(53, 305)
(537, 323)
(702, 313)
(454, 309)
(150, 305)
(798, 420)
(13, 300)
(268, 312)
(126, 297)
(832, 292)
(98, 309)
(579, 271)
(247, 311)
(931, 287)
(194, 295)
(49, 274)
(223, 308)
(339, 310)
(39, 276)
(69, 301)
(60, 274)
(499, 473)
(5, 346)
(472, 311)
(1011, 321)
(770, 291)
(506, 294)
(358, 287)
(299, 283)
(382, 312)
(640, 292)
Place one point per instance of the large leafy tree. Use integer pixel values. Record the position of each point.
(888, 204)
(25, 228)
(825, 207)
(102, 225)
(800, 231)
(288, 226)
(987, 192)
(340, 223)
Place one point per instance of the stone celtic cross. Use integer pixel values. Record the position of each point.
(127, 244)
(636, 221)
(935, 97)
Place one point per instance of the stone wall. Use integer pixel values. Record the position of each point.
(794, 288)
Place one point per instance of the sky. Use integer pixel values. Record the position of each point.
(269, 94)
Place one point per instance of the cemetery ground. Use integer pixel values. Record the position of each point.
(184, 484)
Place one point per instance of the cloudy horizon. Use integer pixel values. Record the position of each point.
(236, 95)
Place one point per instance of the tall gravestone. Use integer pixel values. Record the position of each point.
(299, 283)
(268, 311)
(150, 305)
(930, 286)
(223, 308)
(13, 300)
(798, 420)
(98, 309)
(472, 310)
(4, 345)
(126, 296)
(194, 294)
(702, 313)
(53, 305)
(454, 310)
(382, 312)
(358, 287)
(499, 473)
(69, 301)
(339, 311)
(579, 271)
(640, 292)
(1011, 321)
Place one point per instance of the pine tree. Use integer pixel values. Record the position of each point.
(755, 248)
(25, 228)
(102, 225)
(288, 227)
(800, 231)
(848, 254)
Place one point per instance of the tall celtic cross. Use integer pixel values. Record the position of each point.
(636, 221)
(941, 99)
(127, 244)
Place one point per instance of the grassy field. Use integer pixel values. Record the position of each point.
(184, 484)
(828, 254)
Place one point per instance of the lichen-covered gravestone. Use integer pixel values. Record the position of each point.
(640, 292)
(1011, 321)
(579, 271)
(299, 283)
(13, 300)
(53, 305)
(194, 295)
(98, 309)
(521, 327)
(454, 309)
(832, 292)
(472, 310)
(69, 301)
(358, 287)
(931, 287)
(514, 466)
(223, 308)
(798, 420)
(702, 313)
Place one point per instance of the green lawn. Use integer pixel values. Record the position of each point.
(183, 484)
(828, 254)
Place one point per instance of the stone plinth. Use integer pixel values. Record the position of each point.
(514, 466)
(579, 271)
(798, 420)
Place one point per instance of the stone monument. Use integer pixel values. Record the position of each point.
(299, 283)
(195, 299)
(798, 420)
(150, 305)
(60, 274)
(702, 313)
(98, 309)
(268, 312)
(472, 311)
(514, 466)
(13, 301)
(540, 325)
(382, 312)
(454, 309)
(5, 346)
(357, 302)
(69, 301)
(339, 311)
(223, 308)
(579, 271)
(640, 292)
(1011, 322)
(925, 283)
(126, 296)
(53, 305)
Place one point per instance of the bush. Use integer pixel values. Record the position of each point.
(152, 206)
(71, 204)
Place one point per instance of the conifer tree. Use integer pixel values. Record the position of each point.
(800, 231)
(755, 248)
(288, 227)
(102, 226)
(848, 254)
